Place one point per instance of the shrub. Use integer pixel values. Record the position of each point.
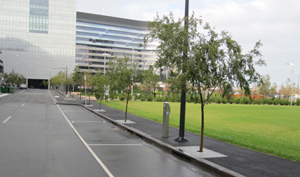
(224, 100)
(111, 96)
(188, 99)
(218, 99)
(275, 101)
(158, 99)
(281, 101)
(143, 97)
(197, 99)
(121, 97)
(298, 102)
(237, 100)
(150, 97)
(257, 101)
(165, 99)
(270, 102)
(212, 99)
(245, 100)
(231, 100)
(178, 98)
(265, 101)
(287, 102)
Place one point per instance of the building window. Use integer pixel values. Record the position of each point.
(39, 16)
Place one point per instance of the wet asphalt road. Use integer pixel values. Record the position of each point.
(39, 138)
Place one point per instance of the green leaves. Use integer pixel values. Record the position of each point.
(213, 59)
(13, 78)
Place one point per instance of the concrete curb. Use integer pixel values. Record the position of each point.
(199, 161)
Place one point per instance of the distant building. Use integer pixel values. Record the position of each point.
(100, 38)
(1, 66)
(39, 35)
(36, 36)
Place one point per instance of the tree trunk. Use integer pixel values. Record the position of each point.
(126, 105)
(100, 104)
(202, 123)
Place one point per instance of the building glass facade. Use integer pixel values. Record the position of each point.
(39, 16)
(100, 38)
(1, 66)
(37, 35)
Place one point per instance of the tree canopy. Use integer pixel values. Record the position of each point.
(122, 73)
(212, 60)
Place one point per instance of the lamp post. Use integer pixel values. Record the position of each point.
(292, 81)
(183, 91)
(66, 77)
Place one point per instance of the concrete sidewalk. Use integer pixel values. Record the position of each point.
(223, 158)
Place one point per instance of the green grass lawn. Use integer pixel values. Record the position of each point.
(266, 128)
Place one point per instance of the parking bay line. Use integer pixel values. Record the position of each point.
(115, 144)
(23, 104)
(6, 119)
(87, 146)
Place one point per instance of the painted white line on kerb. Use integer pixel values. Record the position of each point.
(23, 104)
(6, 119)
(3, 95)
(87, 146)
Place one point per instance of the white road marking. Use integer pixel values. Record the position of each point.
(56, 96)
(3, 95)
(23, 91)
(6, 119)
(115, 144)
(87, 146)
(23, 104)
(86, 121)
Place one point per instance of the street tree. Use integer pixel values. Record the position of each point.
(59, 78)
(265, 86)
(150, 79)
(101, 83)
(212, 61)
(286, 89)
(273, 89)
(122, 73)
(77, 76)
(13, 78)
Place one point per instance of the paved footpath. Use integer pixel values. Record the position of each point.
(220, 155)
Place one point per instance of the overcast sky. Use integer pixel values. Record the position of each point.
(275, 22)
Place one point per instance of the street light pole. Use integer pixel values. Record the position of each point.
(183, 90)
(292, 82)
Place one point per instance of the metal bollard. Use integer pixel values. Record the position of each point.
(166, 114)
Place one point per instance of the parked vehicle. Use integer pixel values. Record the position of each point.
(23, 86)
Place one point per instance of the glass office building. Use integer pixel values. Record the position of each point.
(100, 38)
(36, 36)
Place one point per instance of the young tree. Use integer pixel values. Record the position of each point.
(101, 83)
(13, 78)
(273, 90)
(122, 73)
(150, 79)
(59, 78)
(212, 60)
(77, 76)
(264, 87)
